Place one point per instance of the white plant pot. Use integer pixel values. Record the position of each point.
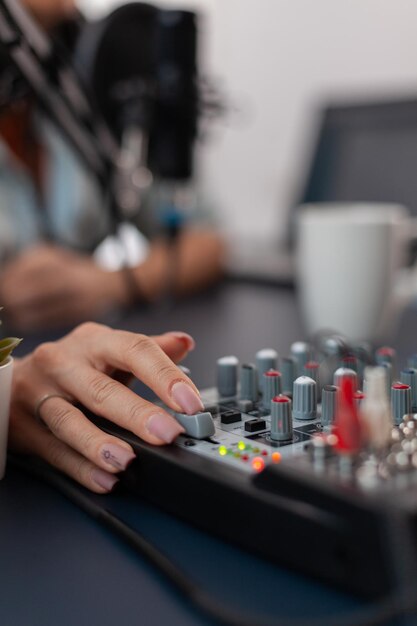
(6, 372)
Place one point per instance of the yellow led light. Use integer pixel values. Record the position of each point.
(241, 445)
(222, 450)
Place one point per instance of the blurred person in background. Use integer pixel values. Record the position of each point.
(42, 181)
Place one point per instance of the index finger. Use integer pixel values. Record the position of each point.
(146, 360)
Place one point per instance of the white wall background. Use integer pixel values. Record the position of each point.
(278, 60)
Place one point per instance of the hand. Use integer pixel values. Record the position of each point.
(88, 367)
(48, 286)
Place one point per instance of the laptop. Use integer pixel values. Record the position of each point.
(365, 152)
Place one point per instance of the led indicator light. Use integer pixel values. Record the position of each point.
(241, 445)
(276, 457)
(222, 450)
(258, 464)
(264, 452)
(245, 457)
(255, 450)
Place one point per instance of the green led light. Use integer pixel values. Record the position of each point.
(223, 450)
(241, 445)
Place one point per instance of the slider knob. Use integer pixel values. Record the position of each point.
(281, 420)
(304, 398)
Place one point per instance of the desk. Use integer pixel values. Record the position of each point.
(57, 566)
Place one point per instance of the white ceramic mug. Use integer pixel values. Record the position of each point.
(348, 261)
(6, 371)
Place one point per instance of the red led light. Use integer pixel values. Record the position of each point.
(272, 373)
(245, 457)
(264, 452)
(258, 464)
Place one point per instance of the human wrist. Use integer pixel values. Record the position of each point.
(116, 287)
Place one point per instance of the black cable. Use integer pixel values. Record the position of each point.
(399, 604)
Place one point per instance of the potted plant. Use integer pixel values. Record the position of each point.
(6, 368)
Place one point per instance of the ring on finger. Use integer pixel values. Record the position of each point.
(45, 398)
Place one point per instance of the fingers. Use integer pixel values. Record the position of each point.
(69, 425)
(29, 437)
(175, 344)
(147, 361)
(108, 398)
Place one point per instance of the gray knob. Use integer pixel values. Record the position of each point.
(271, 386)
(266, 359)
(385, 355)
(301, 352)
(328, 404)
(364, 355)
(227, 376)
(400, 401)
(409, 377)
(288, 374)
(249, 382)
(312, 370)
(344, 372)
(199, 426)
(281, 420)
(349, 362)
(304, 398)
(333, 346)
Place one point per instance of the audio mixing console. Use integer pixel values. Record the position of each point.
(294, 461)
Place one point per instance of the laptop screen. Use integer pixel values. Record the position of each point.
(366, 153)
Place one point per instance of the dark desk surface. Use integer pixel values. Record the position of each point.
(57, 566)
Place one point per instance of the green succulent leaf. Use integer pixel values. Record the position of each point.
(7, 346)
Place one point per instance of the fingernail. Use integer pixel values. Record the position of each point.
(104, 480)
(116, 456)
(185, 338)
(186, 398)
(164, 427)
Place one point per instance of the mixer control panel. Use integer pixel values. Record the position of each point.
(316, 449)
(335, 409)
